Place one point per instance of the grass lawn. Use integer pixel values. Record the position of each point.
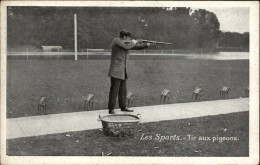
(64, 82)
(93, 142)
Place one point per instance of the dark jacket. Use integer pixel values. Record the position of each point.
(119, 57)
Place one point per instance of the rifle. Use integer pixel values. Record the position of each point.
(148, 41)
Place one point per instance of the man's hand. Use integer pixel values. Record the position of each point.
(134, 41)
(151, 44)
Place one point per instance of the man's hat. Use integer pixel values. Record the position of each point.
(124, 32)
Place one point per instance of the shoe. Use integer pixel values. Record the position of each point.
(111, 112)
(127, 110)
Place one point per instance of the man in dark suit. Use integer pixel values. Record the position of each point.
(117, 71)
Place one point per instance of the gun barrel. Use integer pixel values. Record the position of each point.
(165, 43)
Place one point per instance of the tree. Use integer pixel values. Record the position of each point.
(207, 26)
(97, 26)
(232, 39)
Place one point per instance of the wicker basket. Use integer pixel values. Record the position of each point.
(119, 124)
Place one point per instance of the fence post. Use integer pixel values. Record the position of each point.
(27, 53)
(58, 53)
(87, 54)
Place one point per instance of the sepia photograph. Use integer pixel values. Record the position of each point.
(128, 80)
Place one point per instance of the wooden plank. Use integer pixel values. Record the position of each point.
(42, 100)
(129, 95)
(197, 90)
(165, 92)
(90, 97)
(225, 89)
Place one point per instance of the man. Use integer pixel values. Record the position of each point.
(117, 71)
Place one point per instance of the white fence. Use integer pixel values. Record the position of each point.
(106, 52)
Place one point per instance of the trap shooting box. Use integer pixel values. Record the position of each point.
(42, 104)
(223, 92)
(165, 95)
(88, 101)
(197, 93)
(129, 98)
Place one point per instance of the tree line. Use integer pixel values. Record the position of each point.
(97, 26)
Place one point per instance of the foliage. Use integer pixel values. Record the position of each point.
(207, 27)
(97, 26)
(229, 39)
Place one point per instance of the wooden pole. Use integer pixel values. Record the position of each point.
(27, 52)
(87, 54)
(75, 37)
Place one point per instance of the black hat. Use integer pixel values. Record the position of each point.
(125, 32)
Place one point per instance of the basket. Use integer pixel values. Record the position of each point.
(119, 124)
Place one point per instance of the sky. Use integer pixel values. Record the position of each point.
(232, 19)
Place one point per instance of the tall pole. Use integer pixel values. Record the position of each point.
(75, 37)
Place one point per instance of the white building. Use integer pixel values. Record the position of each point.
(51, 48)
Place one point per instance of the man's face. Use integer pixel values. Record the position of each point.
(127, 38)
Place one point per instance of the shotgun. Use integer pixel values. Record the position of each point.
(155, 42)
(148, 41)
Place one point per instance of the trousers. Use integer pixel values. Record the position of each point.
(117, 88)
